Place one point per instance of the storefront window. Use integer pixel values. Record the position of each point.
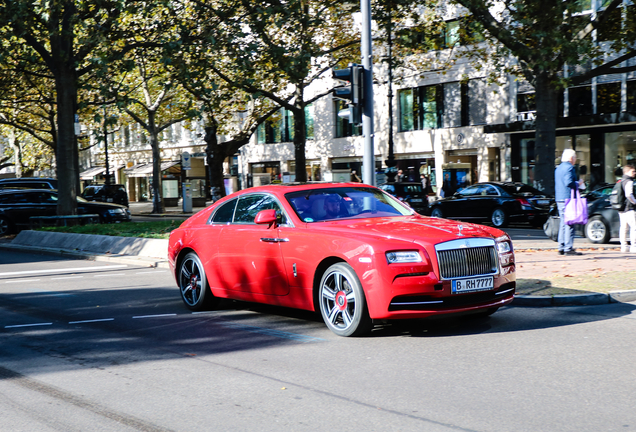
(620, 150)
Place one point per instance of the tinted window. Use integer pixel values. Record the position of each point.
(522, 189)
(488, 190)
(6, 199)
(410, 189)
(470, 191)
(225, 213)
(249, 206)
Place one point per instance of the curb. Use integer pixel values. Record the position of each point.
(90, 256)
(575, 299)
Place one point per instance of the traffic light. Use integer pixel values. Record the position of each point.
(352, 91)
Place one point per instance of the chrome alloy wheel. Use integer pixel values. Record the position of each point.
(192, 281)
(342, 302)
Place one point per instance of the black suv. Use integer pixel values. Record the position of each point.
(28, 183)
(411, 193)
(106, 193)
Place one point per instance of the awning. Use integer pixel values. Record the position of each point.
(91, 172)
(145, 170)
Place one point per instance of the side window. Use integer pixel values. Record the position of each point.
(470, 191)
(225, 213)
(489, 190)
(249, 206)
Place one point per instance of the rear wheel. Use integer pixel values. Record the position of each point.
(342, 302)
(597, 231)
(5, 226)
(499, 218)
(437, 212)
(193, 284)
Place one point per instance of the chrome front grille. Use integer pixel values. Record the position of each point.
(466, 262)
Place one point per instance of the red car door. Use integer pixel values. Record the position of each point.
(250, 257)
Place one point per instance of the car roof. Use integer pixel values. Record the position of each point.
(18, 179)
(12, 191)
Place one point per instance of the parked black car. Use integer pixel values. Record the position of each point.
(18, 206)
(28, 183)
(602, 224)
(114, 193)
(410, 192)
(497, 202)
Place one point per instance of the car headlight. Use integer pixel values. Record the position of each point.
(506, 253)
(114, 211)
(400, 257)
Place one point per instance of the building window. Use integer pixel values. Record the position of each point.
(421, 107)
(279, 127)
(343, 127)
(580, 101)
(608, 98)
(631, 96)
(526, 102)
(465, 105)
(451, 34)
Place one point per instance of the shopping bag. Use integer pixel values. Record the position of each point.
(575, 210)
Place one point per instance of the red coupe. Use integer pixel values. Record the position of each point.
(350, 251)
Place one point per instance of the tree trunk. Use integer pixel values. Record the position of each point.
(157, 199)
(215, 156)
(17, 153)
(300, 137)
(545, 132)
(67, 175)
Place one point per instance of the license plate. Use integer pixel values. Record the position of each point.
(472, 284)
(416, 200)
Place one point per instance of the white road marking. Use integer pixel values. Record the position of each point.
(92, 321)
(152, 271)
(110, 274)
(74, 269)
(154, 316)
(22, 280)
(28, 325)
(67, 277)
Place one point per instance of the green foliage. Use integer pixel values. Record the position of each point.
(157, 229)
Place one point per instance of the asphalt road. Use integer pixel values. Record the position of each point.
(88, 346)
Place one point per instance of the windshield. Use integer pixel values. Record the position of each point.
(317, 205)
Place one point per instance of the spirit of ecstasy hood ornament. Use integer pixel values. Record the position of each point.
(459, 229)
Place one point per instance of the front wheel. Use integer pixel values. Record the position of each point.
(5, 226)
(342, 302)
(437, 213)
(193, 284)
(499, 218)
(597, 231)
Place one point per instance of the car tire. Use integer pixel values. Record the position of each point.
(597, 230)
(193, 284)
(437, 213)
(6, 227)
(342, 301)
(499, 218)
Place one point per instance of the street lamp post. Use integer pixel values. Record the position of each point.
(368, 158)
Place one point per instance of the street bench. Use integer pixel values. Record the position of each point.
(67, 220)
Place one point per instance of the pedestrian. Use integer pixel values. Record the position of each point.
(565, 181)
(628, 216)
(400, 176)
(354, 177)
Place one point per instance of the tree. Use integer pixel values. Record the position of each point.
(277, 50)
(155, 102)
(544, 36)
(72, 39)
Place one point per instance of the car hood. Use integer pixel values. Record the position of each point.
(420, 229)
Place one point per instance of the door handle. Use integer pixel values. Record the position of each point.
(274, 240)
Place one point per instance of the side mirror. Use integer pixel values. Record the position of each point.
(266, 217)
